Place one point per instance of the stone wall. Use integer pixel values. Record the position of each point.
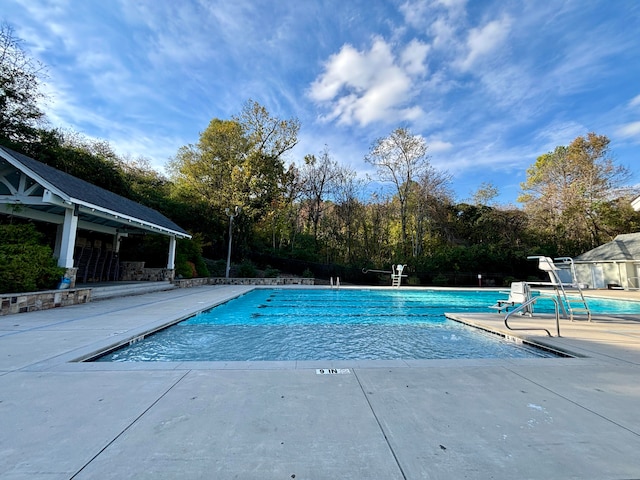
(194, 282)
(262, 281)
(137, 272)
(30, 302)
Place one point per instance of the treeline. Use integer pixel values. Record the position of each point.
(315, 214)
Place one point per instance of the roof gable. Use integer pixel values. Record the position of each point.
(625, 247)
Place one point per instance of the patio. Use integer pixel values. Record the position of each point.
(527, 418)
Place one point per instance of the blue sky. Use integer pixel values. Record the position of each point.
(490, 84)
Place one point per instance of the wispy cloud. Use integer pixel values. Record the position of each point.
(630, 130)
(483, 41)
(491, 85)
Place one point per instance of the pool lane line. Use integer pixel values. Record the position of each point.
(384, 434)
(125, 429)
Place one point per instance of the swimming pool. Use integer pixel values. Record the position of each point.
(345, 324)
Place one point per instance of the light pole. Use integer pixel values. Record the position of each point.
(233, 214)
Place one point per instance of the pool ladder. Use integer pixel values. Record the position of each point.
(337, 284)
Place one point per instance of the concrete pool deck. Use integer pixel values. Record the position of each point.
(537, 418)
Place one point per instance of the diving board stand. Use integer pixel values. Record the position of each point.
(396, 275)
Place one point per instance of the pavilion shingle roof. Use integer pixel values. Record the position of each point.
(77, 189)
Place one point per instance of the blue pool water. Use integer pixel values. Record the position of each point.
(345, 324)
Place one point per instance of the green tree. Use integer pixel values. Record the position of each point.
(486, 194)
(238, 162)
(20, 78)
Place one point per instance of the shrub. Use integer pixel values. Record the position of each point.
(271, 272)
(191, 249)
(247, 269)
(217, 268)
(25, 264)
(440, 280)
(307, 273)
(184, 268)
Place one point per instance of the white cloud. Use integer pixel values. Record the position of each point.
(413, 57)
(635, 101)
(630, 130)
(420, 13)
(415, 12)
(485, 40)
(555, 134)
(367, 86)
(436, 146)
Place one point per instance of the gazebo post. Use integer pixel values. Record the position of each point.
(172, 258)
(68, 243)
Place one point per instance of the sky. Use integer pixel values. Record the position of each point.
(489, 84)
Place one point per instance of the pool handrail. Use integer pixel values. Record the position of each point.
(524, 305)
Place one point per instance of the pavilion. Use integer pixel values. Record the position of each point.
(30, 189)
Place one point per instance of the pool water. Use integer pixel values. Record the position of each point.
(346, 324)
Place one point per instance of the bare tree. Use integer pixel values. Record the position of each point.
(320, 176)
(400, 158)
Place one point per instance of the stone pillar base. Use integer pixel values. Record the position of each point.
(71, 274)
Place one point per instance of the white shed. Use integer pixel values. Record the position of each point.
(615, 264)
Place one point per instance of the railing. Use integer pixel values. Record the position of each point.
(531, 301)
(630, 283)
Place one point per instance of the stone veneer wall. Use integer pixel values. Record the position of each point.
(11, 303)
(137, 272)
(30, 302)
(194, 282)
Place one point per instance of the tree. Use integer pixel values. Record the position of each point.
(269, 136)
(238, 162)
(400, 158)
(432, 196)
(566, 191)
(486, 194)
(20, 93)
(320, 178)
(349, 208)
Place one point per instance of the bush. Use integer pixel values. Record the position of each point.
(270, 272)
(440, 280)
(25, 264)
(184, 268)
(191, 249)
(247, 269)
(217, 268)
(307, 273)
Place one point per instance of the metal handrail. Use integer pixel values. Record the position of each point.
(531, 301)
(631, 287)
